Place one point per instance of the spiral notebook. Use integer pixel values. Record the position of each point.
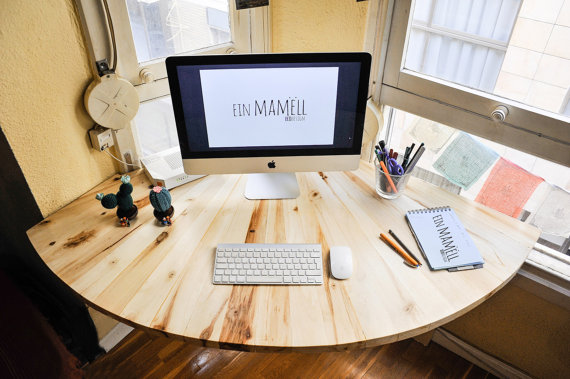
(442, 239)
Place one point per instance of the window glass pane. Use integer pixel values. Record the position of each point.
(155, 126)
(520, 185)
(518, 49)
(166, 27)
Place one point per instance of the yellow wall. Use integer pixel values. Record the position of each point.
(318, 25)
(520, 328)
(43, 72)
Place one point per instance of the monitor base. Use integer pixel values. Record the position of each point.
(282, 185)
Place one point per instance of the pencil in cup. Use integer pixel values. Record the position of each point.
(385, 181)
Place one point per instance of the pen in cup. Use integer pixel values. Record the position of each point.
(388, 177)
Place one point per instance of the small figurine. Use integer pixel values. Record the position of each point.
(126, 209)
(160, 200)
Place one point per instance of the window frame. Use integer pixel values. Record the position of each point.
(385, 38)
(253, 28)
(528, 129)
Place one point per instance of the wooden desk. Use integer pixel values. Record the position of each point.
(161, 277)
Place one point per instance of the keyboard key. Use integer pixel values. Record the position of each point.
(264, 279)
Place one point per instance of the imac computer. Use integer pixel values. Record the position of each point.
(269, 115)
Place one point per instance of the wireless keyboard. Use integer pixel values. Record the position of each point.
(258, 263)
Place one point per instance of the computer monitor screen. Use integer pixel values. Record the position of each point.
(269, 113)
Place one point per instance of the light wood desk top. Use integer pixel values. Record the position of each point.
(161, 277)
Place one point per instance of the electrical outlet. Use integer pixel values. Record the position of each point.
(101, 138)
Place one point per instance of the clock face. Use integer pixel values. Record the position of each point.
(112, 102)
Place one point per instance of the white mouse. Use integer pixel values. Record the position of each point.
(341, 262)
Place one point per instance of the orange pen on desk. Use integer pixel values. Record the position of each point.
(407, 259)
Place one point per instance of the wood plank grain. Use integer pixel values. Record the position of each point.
(160, 278)
(142, 356)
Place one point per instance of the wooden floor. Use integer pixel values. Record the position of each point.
(141, 356)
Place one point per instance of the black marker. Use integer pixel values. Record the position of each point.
(414, 157)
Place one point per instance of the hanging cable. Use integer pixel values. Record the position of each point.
(112, 34)
(117, 159)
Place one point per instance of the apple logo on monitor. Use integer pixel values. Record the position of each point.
(271, 164)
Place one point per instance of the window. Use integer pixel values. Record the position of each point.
(489, 75)
(146, 32)
(512, 182)
(497, 69)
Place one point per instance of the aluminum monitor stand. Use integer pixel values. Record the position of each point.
(282, 185)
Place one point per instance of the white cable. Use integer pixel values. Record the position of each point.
(117, 159)
(112, 35)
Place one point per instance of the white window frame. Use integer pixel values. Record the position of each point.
(542, 133)
(250, 28)
(251, 33)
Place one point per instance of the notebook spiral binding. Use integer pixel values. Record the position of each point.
(430, 210)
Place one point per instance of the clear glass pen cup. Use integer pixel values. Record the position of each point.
(390, 186)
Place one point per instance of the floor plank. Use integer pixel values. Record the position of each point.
(141, 355)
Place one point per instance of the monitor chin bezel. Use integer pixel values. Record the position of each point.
(281, 164)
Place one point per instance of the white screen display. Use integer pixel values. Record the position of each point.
(270, 106)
